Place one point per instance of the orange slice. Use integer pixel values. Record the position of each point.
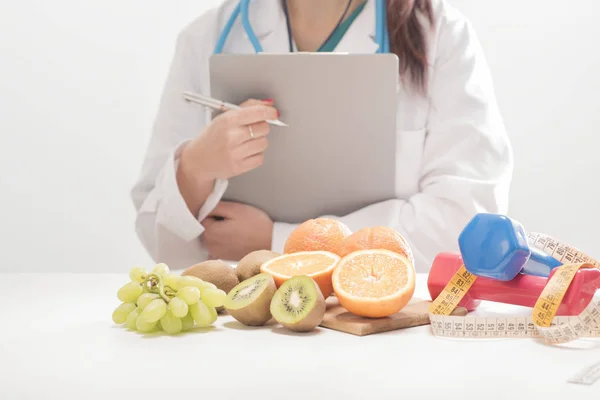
(374, 283)
(319, 265)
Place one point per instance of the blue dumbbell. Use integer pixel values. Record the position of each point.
(495, 246)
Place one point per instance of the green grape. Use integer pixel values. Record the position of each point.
(213, 297)
(189, 294)
(213, 313)
(130, 323)
(144, 326)
(161, 269)
(154, 311)
(189, 280)
(138, 274)
(171, 280)
(129, 292)
(201, 314)
(145, 299)
(178, 307)
(187, 322)
(171, 324)
(120, 314)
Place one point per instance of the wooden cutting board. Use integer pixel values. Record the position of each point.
(414, 314)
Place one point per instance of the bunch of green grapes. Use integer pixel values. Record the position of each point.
(160, 300)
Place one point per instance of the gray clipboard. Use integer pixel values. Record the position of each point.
(339, 152)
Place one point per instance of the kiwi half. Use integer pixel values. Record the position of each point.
(298, 304)
(249, 301)
(249, 266)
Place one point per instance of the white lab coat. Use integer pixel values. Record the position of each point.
(454, 158)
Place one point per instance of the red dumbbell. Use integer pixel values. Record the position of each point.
(523, 290)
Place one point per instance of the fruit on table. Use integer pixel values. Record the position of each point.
(249, 301)
(377, 237)
(214, 297)
(178, 307)
(319, 234)
(129, 292)
(122, 312)
(298, 304)
(318, 265)
(160, 300)
(249, 265)
(203, 315)
(170, 323)
(189, 294)
(145, 299)
(374, 283)
(192, 281)
(217, 272)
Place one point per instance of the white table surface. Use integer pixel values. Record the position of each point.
(57, 341)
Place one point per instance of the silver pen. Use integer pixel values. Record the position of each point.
(219, 105)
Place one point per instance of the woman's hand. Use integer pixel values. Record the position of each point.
(231, 144)
(233, 230)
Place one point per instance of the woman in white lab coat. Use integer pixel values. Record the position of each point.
(454, 158)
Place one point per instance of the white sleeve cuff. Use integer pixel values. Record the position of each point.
(173, 212)
(281, 231)
(213, 199)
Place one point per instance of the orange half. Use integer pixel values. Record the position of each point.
(374, 283)
(319, 265)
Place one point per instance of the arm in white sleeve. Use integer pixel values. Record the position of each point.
(164, 224)
(467, 158)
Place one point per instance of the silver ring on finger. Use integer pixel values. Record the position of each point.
(251, 131)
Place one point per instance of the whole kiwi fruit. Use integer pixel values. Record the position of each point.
(298, 304)
(217, 272)
(249, 301)
(249, 266)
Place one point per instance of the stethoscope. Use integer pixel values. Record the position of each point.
(381, 30)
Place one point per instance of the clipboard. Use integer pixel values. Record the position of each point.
(338, 153)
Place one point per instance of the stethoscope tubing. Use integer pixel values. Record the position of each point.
(381, 29)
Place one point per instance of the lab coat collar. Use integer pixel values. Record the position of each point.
(268, 21)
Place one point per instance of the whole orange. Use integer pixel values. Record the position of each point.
(319, 234)
(377, 238)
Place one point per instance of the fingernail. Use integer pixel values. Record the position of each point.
(278, 114)
(268, 100)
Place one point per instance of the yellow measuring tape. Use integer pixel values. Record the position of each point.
(543, 322)
(564, 253)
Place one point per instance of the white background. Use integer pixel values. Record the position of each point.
(80, 81)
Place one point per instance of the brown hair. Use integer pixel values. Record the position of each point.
(408, 38)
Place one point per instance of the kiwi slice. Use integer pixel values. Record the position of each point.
(298, 304)
(249, 301)
(249, 266)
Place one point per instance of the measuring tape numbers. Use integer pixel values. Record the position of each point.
(560, 251)
(542, 323)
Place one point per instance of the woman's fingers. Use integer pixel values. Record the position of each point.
(251, 148)
(248, 115)
(255, 102)
(250, 154)
(243, 134)
(252, 162)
